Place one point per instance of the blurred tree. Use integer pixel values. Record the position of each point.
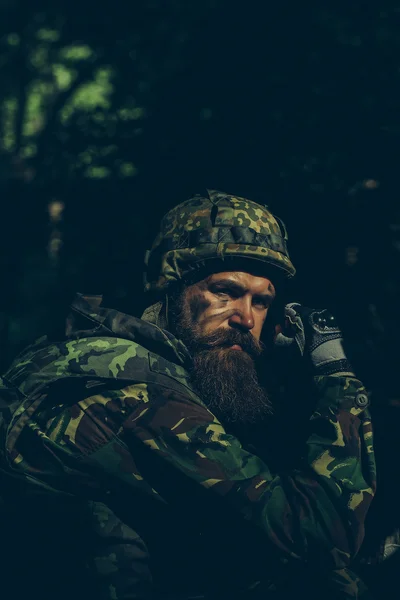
(78, 85)
(77, 80)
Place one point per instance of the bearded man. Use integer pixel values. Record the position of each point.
(124, 438)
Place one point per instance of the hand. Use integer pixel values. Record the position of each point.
(317, 335)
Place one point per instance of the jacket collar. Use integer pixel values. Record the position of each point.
(88, 318)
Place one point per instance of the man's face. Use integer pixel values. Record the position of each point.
(232, 300)
(221, 319)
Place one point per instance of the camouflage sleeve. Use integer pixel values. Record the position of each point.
(314, 513)
(118, 557)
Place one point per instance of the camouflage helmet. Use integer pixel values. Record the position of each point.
(211, 228)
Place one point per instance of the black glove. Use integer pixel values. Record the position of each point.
(317, 335)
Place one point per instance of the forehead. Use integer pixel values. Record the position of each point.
(253, 283)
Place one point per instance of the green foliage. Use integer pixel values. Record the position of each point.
(63, 76)
(69, 88)
(13, 39)
(9, 111)
(48, 35)
(127, 169)
(90, 96)
(76, 52)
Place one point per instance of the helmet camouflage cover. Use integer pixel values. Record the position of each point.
(212, 228)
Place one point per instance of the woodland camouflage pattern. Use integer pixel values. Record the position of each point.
(108, 417)
(215, 227)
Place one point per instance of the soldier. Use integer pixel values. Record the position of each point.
(121, 437)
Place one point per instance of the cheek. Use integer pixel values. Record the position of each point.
(198, 306)
(259, 325)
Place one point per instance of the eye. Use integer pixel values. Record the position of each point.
(223, 292)
(261, 303)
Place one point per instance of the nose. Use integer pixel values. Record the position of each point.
(242, 317)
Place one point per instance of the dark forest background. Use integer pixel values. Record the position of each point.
(113, 112)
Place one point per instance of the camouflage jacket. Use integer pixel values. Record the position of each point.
(107, 424)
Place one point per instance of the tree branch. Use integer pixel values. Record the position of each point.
(54, 110)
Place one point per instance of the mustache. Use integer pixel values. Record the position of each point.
(221, 338)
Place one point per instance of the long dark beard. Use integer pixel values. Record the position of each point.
(227, 382)
(226, 379)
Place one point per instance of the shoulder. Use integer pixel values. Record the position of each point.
(102, 356)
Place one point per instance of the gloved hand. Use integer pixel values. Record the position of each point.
(317, 335)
